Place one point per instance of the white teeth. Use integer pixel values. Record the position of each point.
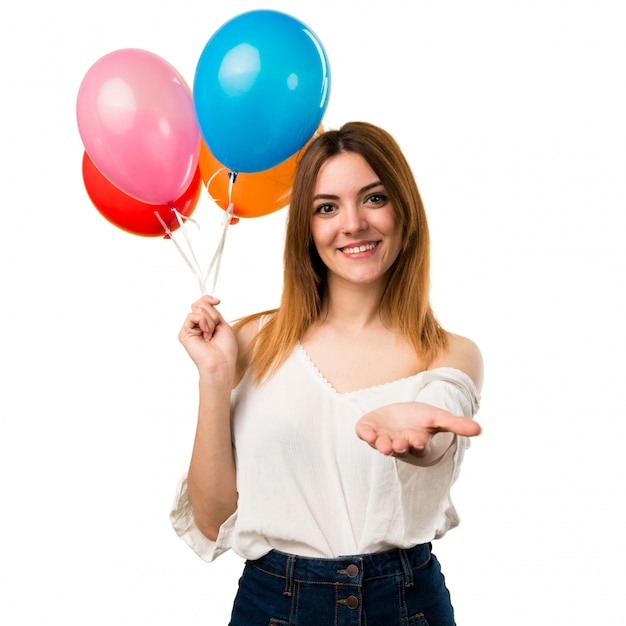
(363, 248)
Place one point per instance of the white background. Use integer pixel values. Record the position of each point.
(512, 114)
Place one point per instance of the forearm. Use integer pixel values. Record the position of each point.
(211, 478)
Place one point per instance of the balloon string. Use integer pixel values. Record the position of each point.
(170, 235)
(192, 262)
(216, 261)
(208, 184)
(181, 222)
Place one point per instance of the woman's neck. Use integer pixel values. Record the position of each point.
(352, 306)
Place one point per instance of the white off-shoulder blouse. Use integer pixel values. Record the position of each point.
(308, 485)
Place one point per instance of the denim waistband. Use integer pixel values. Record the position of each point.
(353, 569)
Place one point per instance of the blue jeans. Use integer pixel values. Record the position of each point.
(392, 588)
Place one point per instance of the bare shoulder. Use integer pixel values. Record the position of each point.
(462, 354)
(245, 331)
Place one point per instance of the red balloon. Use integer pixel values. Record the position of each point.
(130, 214)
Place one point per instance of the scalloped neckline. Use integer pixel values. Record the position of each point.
(329, 385)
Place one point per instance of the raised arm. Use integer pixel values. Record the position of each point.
(216, 351)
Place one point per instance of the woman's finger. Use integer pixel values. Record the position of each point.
(464, 426)
(206, 300)
(366, 432)
(383, 444)
(199, 323)
(208, 312)
(193, 330)
(399, 445)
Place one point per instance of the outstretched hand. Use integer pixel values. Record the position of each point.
(409, 427)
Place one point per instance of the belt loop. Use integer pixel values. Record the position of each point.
(291, 563)
(406, 566)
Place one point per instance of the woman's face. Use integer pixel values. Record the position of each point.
(353, 224)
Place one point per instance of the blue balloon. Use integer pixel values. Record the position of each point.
(260, 90)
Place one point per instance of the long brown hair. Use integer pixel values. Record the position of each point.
(405, 301)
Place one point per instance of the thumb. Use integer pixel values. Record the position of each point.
(460, 425)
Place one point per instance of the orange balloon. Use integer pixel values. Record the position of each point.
(253, 194)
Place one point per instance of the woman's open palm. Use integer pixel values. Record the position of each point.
(408, 427)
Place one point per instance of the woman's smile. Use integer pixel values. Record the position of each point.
(360, 249)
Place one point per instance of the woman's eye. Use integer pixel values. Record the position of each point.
(376, 198)
(325, 209)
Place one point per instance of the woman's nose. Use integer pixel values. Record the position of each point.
(353, 221)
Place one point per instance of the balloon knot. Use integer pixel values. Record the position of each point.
(233, 176)
(234, 220)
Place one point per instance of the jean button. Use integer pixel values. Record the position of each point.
(352, 570)
(352, 602)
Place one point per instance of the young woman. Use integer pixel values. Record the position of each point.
(331, 430)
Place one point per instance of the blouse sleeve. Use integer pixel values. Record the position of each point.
(182, 519)
(450, 389)
(426, 509)
(454, 391)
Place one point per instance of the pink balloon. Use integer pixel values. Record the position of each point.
(137, 121)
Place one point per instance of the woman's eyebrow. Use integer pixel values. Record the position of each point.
(329, 196)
